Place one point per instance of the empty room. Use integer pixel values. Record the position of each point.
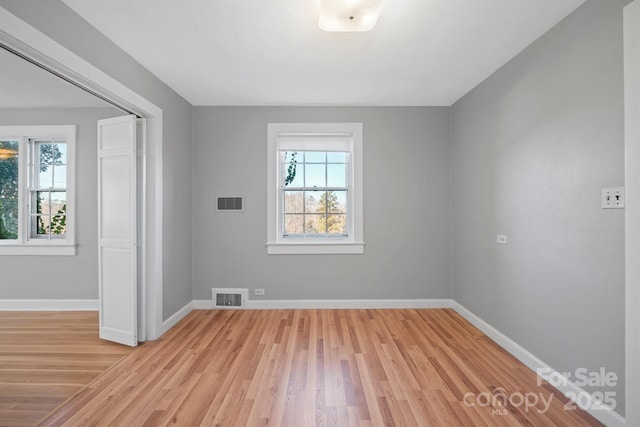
(319, 212)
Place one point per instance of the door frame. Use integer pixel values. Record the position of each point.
(46, 52)
(632, 212)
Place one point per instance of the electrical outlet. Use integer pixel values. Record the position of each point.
(613, 198)
(258, 291)
(501, 239)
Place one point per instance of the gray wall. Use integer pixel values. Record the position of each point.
(532, 146)
(60, 23)
(406, 193)
(62, 277)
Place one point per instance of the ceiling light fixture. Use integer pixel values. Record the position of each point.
(349, 15)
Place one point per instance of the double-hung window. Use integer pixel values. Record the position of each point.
(37, 199)
(315, 188)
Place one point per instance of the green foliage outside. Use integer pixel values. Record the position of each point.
(59, 221)
(9, 194)
(328, 221)
(291, 170)
(50, 154)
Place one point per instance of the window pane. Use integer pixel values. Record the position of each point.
(49, 213)
(312, 200)
(59, 223)
(62, 149)
(291, 169)
(315, 157)
(45, 177)
(336, 157)
(336, 224)
(40, 225)
(337, 175)
(60, 176)
(40, 202)
(40, 210)
(8, 190)
(51, 154)
(58, 201)
(293, 202)
(58, 213)
(332, 202)
(315, 175)
(44, 155)
(292, 175)
(288, 156)
(337, 202)
(294, 224)
(314, 224)
(322, 203)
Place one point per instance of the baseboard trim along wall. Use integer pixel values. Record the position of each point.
(48, 304)
(176, 317)
(583, 399)
(336, 303)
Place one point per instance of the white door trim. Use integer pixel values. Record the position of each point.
(632, 213)
(33, 44)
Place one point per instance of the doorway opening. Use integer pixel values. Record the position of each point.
(27, 42)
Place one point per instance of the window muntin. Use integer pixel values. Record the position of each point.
(315, 192)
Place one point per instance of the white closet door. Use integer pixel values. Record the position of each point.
(117, 263)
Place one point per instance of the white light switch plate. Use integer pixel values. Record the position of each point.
(501, 239)
(613, 198)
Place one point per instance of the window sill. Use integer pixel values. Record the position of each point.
(315, 248)
(38, 249)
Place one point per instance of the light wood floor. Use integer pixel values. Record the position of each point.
(319, 367)
(47, 358)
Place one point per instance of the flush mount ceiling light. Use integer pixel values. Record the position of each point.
(349, 15)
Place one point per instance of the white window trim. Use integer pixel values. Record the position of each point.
(24, 245)
(354, 244)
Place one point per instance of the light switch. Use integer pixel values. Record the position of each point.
(613, 198)
(501, 239)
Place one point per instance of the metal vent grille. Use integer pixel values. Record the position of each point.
(230, 298)
(231, 204)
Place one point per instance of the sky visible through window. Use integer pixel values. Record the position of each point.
(315, 193)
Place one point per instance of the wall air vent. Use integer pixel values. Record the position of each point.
(230, 204)
(229, 298)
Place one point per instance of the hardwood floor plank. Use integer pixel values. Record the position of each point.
(313, 368)
(46, 358)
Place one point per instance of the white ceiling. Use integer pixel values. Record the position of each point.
(23, 85)
(271, 52)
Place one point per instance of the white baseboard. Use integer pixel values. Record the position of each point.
(601, 412)
(48, 304)
(202, 304)
(176, 317)
(334, 303)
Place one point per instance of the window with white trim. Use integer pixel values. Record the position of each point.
(315, 188)
(37, 191)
